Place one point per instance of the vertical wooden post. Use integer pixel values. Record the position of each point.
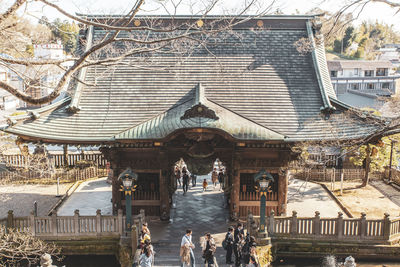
(317, 224)
(65, 153)
(282, 192)
(339, 225)
(367, 165)
(76, 222)
(363, 225)
(54, 223)
(386, 226)
(293, 224)
(10, 219)
(98, 222)
(271, 223)
(235, 200)
(32, 224)
(120, 222)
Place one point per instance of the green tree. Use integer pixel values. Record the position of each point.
(337, 46)
(348, 37)
(67, 32)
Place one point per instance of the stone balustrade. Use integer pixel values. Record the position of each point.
(76, 226)
(371, 231)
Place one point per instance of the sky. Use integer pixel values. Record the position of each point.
(372, 11)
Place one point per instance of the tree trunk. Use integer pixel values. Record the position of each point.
(367, 164)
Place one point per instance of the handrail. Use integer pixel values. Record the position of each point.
(72, 226)
(385, 230)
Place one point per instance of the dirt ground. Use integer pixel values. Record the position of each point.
(20, 198)
(367, 199)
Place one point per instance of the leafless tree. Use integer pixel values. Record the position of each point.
(124, 36)
(19, 246)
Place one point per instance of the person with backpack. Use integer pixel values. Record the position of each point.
(228, 241)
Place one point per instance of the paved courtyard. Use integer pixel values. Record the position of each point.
(307, 197)
(89, 197)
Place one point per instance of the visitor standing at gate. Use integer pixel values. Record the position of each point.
(186, 251)
(185, 181)
(214, 177)
(178, 175)
(229, 240)
(193, 179)
(239, 230)
(221, 179)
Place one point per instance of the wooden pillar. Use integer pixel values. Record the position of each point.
(114, 159)
(164, 186)
(65, 153)
(282, 192)
(234, 207)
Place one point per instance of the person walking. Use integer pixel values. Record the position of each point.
(229, 245)
(185, 181)
(193, 179)
(178, 175)
(221, 180)
(214, 177)
(205, 184)
(146, 258)
(209, 249)
(186, 251)
(253, 262)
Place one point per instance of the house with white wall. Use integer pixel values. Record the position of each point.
(362, 76)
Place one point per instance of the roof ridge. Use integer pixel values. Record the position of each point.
(324, 95)
(74, 106)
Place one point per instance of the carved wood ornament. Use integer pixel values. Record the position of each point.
(199, 110)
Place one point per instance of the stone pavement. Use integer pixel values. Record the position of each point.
(90, 196)
(202, 212)
(307, 197)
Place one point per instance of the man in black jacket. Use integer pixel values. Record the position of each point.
(229, 245)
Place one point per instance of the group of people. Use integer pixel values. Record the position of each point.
(235, 242)
(146, 258)
(243, 247)
(185, 176)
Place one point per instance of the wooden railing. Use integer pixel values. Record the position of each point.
(329, 174)
(69, 175)
(57, 158)
(255, 196)
(141, 195)
(50, 227)
(379, 231)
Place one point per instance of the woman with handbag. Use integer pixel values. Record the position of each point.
(209, 248)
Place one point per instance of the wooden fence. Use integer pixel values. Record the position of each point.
(69, 175)
(328, 174)
(375, 231)
(57, 159)
(51, 227)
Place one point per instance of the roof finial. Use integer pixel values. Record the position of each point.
(200, 94)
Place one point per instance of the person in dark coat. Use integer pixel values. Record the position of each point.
(229, 245)
(239, 230)
(185, 181)
(193, 179)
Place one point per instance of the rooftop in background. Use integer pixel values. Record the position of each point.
(338, 65)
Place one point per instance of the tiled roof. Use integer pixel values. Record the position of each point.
(259, 85)
(360, 64)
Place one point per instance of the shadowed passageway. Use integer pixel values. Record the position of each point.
(202, 212)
